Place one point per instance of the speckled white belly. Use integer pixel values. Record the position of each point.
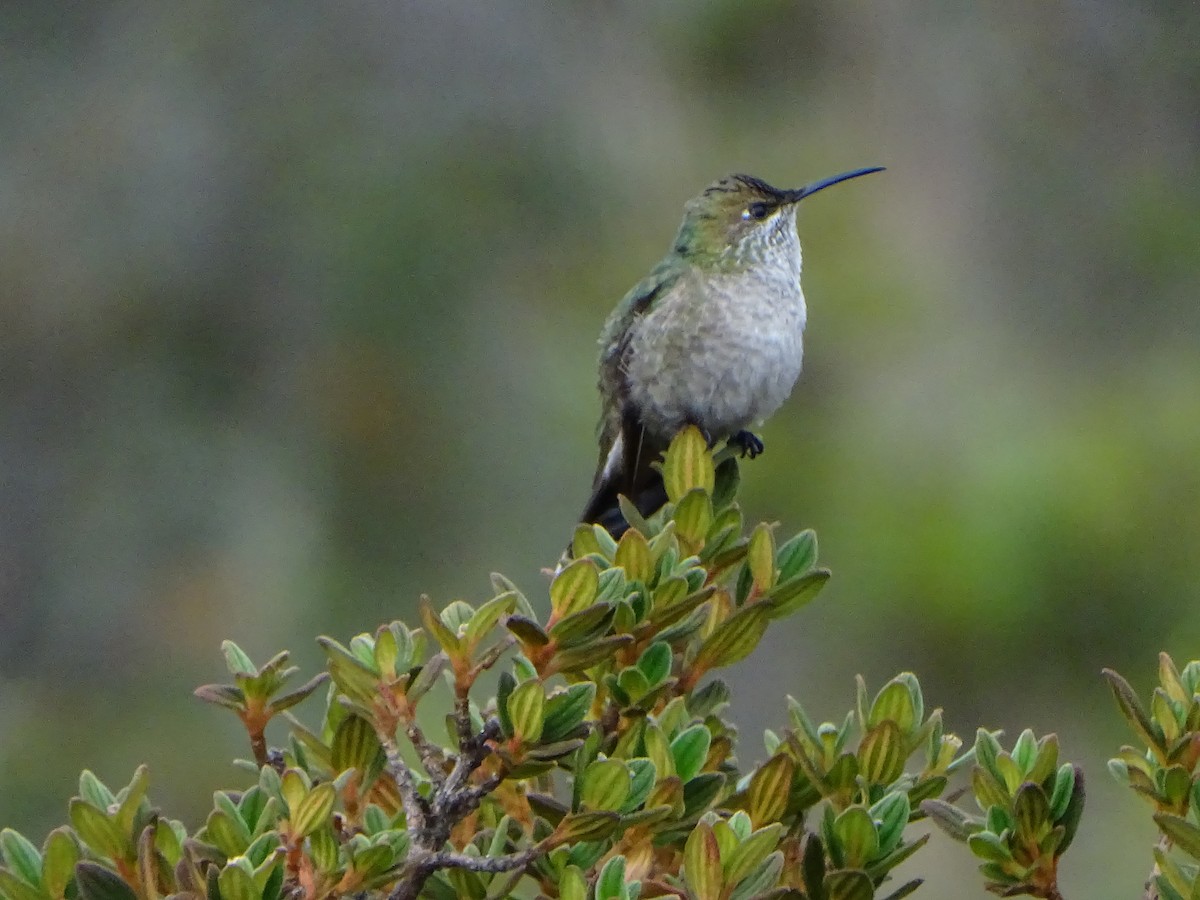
(723, 363)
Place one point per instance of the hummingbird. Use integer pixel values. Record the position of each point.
(712, 337)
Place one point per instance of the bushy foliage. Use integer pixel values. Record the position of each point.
(604, 763)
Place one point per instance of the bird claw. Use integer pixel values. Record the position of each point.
(750, 444)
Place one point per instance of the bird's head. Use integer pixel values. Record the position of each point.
(741, 214)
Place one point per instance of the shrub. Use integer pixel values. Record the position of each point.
(604, 765)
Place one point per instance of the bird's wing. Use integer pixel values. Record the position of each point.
(624, 463)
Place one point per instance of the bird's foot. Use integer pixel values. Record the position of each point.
(750, 444)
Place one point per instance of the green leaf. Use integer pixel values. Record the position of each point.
(574, 588)
(884, 863)
(314, 810)
(527, 631)
(849, 884)
(693, 516)
(950, 819)
(905, 890)
(760, 881)
(988, 792)
(504, 689)
(591, 825)
(857, 838)
(881, 755)
(710, 699)
(789, 596)
(1024, 751)
(21, 857)
(14, 888)
(583, 625)
(456, 615)
(439, 630)
(734, 639)
(355, 745)
(1064, 786)
(584, 542)
(222, 695)
(93, 790)
(797, 556)
(293, 786)
(668, 610)
(655, 662)
(59, 855)
(236, 883)
(605, 785)
(725, 486)
(987, 753)
(387, 652)
(727, 839)
(633, 684)
(812, 865)
(891, 813)
(300, 694)
(1070, 819)
(894, 703)
(760, 558)
(702, 863)
(701, 792)
(1175, 784)
(750, 853)
(236, 660)
(95, 882)
(1045, 761)
(526, 708)
(554, 750)
(988, 846)
(264, 847)
(584, 657)
(689, 750)
(323, 849)
(643, 775)
(566, 710)
(99, 832)
(688, 465)
(632, 515)
(1131, 708)
(486, 617)
(610, 883)
(658, 749)
(426, 677)
(351, 675)
(1031, 811)
(572, 885)
(633, 555)
(767, 793)
(227, 833)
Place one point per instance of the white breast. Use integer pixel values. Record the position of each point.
(721, 350)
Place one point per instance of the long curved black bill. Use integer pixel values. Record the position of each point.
(810, 189)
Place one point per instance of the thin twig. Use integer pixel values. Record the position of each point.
(415, 807)
(1163, 845)
(419, 869)
(506, 863)
(430, 822)
(433, 757)
(462, 719)
(473, 751)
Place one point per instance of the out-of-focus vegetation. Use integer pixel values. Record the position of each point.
(299, 313)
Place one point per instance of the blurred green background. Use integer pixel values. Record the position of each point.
(299, 313)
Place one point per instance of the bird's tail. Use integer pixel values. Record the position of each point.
(626, 470)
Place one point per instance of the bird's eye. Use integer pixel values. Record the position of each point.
(756, 211)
